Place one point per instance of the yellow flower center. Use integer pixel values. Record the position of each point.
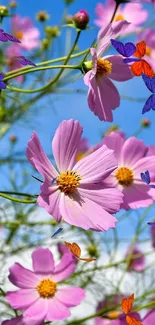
(124, 176)
(46, 288)
(68, 181)
(119, 17)
(104, 67)
(19, 34)
(114, 314)
(148, 50)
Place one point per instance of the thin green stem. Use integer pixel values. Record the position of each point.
(8, 197)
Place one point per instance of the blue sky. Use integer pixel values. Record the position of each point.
(127, 116)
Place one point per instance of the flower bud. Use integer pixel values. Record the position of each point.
(42, 16)
(45, 43)
(13, 138)
(145, 123)
(3, 11)
(52, 31)
(81, 19)
(13, 4)
(93, 251)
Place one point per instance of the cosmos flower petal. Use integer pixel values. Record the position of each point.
(96, 166)
(136, 197)
(38, 309)
(43, 261)
(22, 277)
(70, 296)
(120, 71)
(38, 159)
(65, 144)
(56, 310)
(20, 320)
(133, 150)
(65, 268)
(114, 141)
(23, 298)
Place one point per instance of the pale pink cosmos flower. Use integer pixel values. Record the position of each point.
(132, 161)
(137, 263)
(103, 96)
(26, 32)
(148, 35)
(40, 295)
(12, 63)
(76, 192)
(151, 150)
(132, 12)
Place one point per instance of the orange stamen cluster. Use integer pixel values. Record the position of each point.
(124, 176)
(46, 288)
(68, 181)
(104, 67)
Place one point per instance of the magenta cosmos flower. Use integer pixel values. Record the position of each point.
(76, 192)
(39, 294)
(20, 320)
(137, 263)
(23, 29)
(149, 318)
(132, 12)
(109, 301)
(130, 155)
(103, 96)
(148, 36)
(121, 320)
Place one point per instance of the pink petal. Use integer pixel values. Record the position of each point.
(56, 310)
(96, 166)
(149, 318)
(38, 309)
(109, 199)
(84, 213)
(114, 141)
(65, 268)
(49, 199)
(70, 296)
(42, 260)
(120, 70)
(20, 320)
(133, 150)
(22, 277)
(109, 32)
(136, 196)
(38, 159)
(23, 298)
(135, 13)
(65, 144)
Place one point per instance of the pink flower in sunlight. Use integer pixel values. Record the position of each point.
(26, 32)
(39, 294)
(132, 160)
(148, 36)
(109, 301)
(12, 63)
(103, 96)
(132, 12)
(137, 263)
(76, 193)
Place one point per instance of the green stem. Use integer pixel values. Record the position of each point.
(8, 197)
(22, 194)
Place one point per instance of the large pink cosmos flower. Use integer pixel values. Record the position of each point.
(26, 32)
(137, 263)
(132, 12)
(132, 160)
(76, 193)
(39, 294)
(12, 63)
(103, 96)
(149, 36)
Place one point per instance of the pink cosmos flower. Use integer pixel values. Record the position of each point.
(63, 249)
(137, 263)
(149, 318)
(20, 320)
(103, 96)
(132, 160)
(148, 36)
(132, 12)
(109, 301)
(26, 32)
(121, 320)
(39, 294)
(12, 63)
(76, 193)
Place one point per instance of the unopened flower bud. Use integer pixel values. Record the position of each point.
(42, 16)
(81, 19)
(69, 19)
(52, 31)
(13, 4)
(45, 43)
(145, 123)
(3, 11)
(13, 138)
(93, 251)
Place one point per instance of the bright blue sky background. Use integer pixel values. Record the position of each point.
(127, 116)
